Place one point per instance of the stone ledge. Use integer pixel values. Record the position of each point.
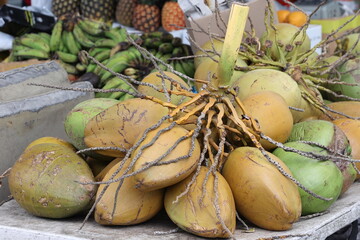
(16, 223)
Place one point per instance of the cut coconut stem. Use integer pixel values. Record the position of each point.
(234, 34)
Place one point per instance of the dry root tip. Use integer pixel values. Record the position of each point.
(268, 44)
(289, 48)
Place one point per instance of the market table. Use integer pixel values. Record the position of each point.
(16, 223)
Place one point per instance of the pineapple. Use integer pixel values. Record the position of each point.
(102, 10)
(171, 15)
(146, 16)
(124, 12)
(62, 7)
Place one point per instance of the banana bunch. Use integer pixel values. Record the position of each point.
(116, 83)
(123, 58)
(171, 50)
(30, 46)
(70, 35)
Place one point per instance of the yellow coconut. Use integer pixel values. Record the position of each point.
(262, 194)
(196, 211)
(272, 114)
(157, 79)
(121, 124)
(164, 158)
(132, 206)
(50, 139)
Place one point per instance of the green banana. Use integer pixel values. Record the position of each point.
(45, 36)
(167, 37)
(189, 67)
(187, 51)
(155, 34)
(93, 38)
(31, 53)
(158, 54)
(55, 37)
(155, 43)
(70, 42)
(125, 97)
(118, 67)
(17, 47)
(101, 56)
(135, 57)
(171, 64)
(112, 83)
(178, 67)
(81, 37)
(176, 42)
(91, 67)
(115, 34)
(177, 52)
(62, 47)
(80, 67)
(99, 69)
(105, 42)
(118, 57)
(34, 41)
(69, 68)
(67, 57)
(123, 33)
(166, 47)
(95, 50)
(92, 27)
(164, 58)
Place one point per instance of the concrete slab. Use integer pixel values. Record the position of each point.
(30, 112)
(16, 223)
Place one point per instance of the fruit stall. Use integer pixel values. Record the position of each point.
(179, 119)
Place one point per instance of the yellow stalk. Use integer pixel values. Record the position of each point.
(233, 37)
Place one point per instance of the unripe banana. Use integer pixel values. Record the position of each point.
(31, 53)
(166, 47)
(189, 67)
(92, 27)
(69, 68)
(101, 56)
(70, 42)
(55, 38)
(34, 41)
(105, 42)
(95, 50)
(80, 67)
(115, 34)
(67, 57)
(81, 37)
(91, 67)
(45, 36)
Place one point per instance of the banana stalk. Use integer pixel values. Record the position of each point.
(233, 38)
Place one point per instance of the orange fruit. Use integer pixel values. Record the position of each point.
(282, 15)
(297, 18)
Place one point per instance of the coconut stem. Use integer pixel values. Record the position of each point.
(233, 38)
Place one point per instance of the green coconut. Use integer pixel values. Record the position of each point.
(77, 119)
(321, 177)
(349, 42)
(350, 74)
(332, 137)
(46, 181)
